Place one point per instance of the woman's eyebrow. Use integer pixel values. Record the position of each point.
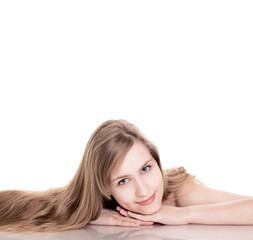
(124, 176)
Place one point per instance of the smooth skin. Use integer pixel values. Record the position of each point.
(135, 181)
(114, 218)
(201, 205)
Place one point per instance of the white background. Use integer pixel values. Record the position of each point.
(181, 71)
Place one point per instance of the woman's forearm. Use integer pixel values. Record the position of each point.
(237, 212)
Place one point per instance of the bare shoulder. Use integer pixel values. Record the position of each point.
(193, 192)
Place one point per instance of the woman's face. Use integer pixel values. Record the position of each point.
(137, 184)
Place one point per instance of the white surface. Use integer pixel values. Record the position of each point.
(180, 70)
(187, 232)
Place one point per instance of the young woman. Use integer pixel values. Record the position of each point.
(120, 181)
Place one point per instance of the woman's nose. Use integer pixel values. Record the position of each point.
(141, 189)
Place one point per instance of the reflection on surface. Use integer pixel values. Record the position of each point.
(156, 232)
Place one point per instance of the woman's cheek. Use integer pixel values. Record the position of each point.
(155, 178)
(124, 196)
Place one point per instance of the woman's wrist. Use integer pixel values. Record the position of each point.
(188, 215)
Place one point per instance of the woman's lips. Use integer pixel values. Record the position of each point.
(148, 201)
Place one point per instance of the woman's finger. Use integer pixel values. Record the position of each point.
(130, 219)
(146, 223)
(128, 223)
(140, 216)
(122, 211)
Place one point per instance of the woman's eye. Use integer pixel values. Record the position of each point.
(145, 169)
(123, 181)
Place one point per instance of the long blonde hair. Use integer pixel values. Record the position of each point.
(82, 200)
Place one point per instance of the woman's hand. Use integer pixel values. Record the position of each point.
(112, 217)
(165, 215)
